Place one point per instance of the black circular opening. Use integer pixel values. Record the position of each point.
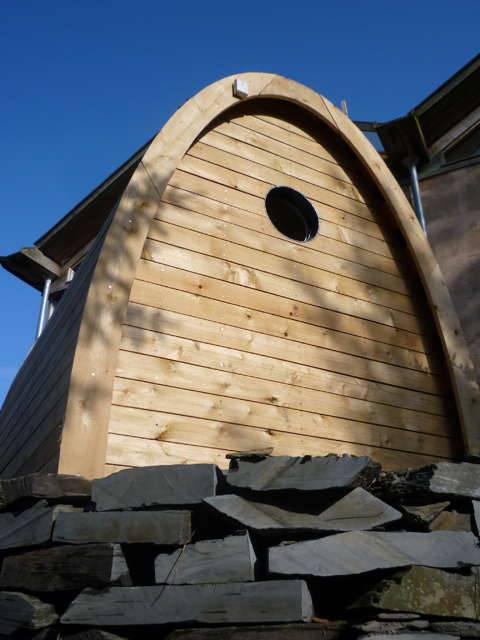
(291, 213)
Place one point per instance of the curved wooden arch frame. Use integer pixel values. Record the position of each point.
(85, 430)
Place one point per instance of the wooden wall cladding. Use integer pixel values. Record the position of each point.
(237, 338)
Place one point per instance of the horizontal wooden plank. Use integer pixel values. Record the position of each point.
(287, 268)
(337, 242)
(335, 223)
(236, 131)
(138, 452)
(198, 213)
(169, 372)
(198, 404)
(343, 197)
(229, 314)
(293, 139)
(297, 353)
(167, 427)
(289, 125)
(241, 149)
(269, 303)
(131, 451)
(289, 289)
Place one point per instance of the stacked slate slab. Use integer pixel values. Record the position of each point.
(283, 548)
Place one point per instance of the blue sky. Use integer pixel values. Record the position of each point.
(84, 84)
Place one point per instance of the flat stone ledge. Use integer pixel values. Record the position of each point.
(156, 527)
(50, 486)
(280, 473)
(65, 568)
(230, 559)
(234, 603)
(362, 551)
(166, 485)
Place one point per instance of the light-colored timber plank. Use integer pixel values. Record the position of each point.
(288, 125)
(162, 371)
(283, 150)
(192, 348)
(289, 351)
(285, 287)
(263, 261)
(161, 426)
(144, 395)
(255, 169)
(195, 212)
(236, 315)
(296, 140)
(267, 302)
(338, 223)
(131, 451)
(329, 238)
(139, 452)
(288, 166)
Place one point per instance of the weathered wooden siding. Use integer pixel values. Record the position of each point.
(237, 338)
(32, 414)
(451, 202)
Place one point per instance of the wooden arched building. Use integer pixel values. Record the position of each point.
(253, 279)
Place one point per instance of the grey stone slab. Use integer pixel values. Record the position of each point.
(306, 473)
(21, 611)
(476, 514)
(51, 486)
(234, 603)
(230, 559)
(65, 568)
(361, 551)
(91, 634)
(176, 484)
(303, 631)
(397, 616)
(30, 527)
(458, 479)
(358, 510)
(427, 512)
(392, 627)
(451, 521)
(462, 628)
(408, 636)
(427, 591)
(157, 527)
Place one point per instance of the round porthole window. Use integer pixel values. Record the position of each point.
(291, 214)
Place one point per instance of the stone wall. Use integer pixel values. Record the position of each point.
(278, 547)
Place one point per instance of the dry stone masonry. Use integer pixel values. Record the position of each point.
(277, 548)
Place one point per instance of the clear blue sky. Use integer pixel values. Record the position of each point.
(85, 83)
